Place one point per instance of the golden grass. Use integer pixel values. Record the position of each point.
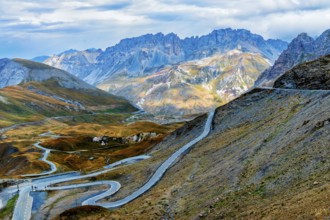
(78, 137)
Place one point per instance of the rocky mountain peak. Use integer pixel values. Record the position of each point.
(94, 50)
(144, 41)
(325, 35)
(302, 48)
(229, 36)
(323, 43)
(301, 42)
(302, 35)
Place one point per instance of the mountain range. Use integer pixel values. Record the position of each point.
(144, 55)
(166, 75)
(142, 61)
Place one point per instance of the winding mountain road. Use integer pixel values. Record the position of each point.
(53, 167)
(159, 172)
(24, 203)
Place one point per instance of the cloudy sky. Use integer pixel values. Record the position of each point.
(43, 27)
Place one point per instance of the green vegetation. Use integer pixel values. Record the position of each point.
(9, 208)
(24, 105)
(98, 99)
(102, 118)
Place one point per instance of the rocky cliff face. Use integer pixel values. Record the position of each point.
(78, 63)
(311, 75)
(223, 40)
(303, 48)
(11, 73)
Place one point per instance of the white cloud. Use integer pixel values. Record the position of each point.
(51, 26)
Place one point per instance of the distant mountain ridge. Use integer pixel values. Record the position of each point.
(164, 74)
(145, 55)
(303, 48)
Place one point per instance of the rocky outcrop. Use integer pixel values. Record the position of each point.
(311, 75)
(137, 138)
(303, 48)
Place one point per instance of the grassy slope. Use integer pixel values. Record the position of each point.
(8, 209)
(18, 156)
(266, 157)
(87, 97)
(33, 101)
(23, 104)
(81, 134)
(137, 174)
